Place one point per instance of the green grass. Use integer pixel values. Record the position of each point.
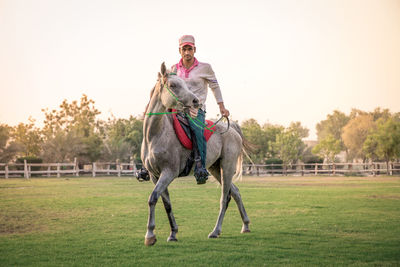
(294, 221)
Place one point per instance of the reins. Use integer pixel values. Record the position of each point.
(196, 122)
(203, 126)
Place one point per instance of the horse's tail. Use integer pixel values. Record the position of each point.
(247, 148)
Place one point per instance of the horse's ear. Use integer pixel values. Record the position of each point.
(163, 69)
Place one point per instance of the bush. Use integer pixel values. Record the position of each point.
(274, 161)
(311, 160)
(353, 174)
(29, 160)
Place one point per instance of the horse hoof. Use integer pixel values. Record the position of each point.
(150, 241)
(213, 235)
(245, 229)
(172, 239)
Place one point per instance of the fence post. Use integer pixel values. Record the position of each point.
(48, 171)
(391, 168)
(302, 169)
(108, 169)
(6, 171)
(58, 170)
(316, 169)
(133, 168)
(26, 172)
(118, 168)
(333, 168)
(76, 167)
(94, 169)
(373, 169)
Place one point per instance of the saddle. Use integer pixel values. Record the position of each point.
(184, 134)
(182, 130)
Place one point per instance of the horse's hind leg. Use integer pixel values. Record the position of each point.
(215, 170)
(225, 197)
(171, 218)
(236, 196)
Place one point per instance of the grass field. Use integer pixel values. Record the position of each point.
(294, 221)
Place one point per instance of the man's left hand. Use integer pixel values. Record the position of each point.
(223, 110)
(193, 112)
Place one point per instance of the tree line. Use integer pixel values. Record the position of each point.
(361, 135)
(74, 130)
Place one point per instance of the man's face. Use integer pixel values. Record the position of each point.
(187, 52)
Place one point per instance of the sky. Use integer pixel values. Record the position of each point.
(276, 61)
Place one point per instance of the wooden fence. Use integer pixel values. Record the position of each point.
(28, 170)
(362, 169)
(59, 169)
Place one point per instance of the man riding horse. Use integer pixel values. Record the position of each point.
(198, 77)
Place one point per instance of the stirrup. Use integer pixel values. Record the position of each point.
(142, 175)
(201, 175)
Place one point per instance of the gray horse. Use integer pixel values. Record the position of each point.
(164, 157)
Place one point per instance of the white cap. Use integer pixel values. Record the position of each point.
(186, 40)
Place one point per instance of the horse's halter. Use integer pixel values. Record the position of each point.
(198, 124)
(165, 86)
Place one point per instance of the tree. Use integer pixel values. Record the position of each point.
(381, 114)
(355, 133)
(357, 112)
(328, 148)
(309, 157)
(123, 138)
(332, 127)
(289, 145)
(8, 148)
(81, 116)
(275, 141)
(271, 132)
(62, 146)
(134, 136)
(301, 131)
(254, 134)
(29, 139)
(384, 140)
(76, 130)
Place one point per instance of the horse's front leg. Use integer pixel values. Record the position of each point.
(171, 218)
(165, 179)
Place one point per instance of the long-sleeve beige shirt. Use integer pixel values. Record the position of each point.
(198, 78)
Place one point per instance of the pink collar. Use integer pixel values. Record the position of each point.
(182, 70)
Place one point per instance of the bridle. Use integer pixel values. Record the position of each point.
(195, 121)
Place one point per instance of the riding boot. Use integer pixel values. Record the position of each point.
(200, 172)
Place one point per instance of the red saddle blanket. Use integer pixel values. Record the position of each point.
(184, 139)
